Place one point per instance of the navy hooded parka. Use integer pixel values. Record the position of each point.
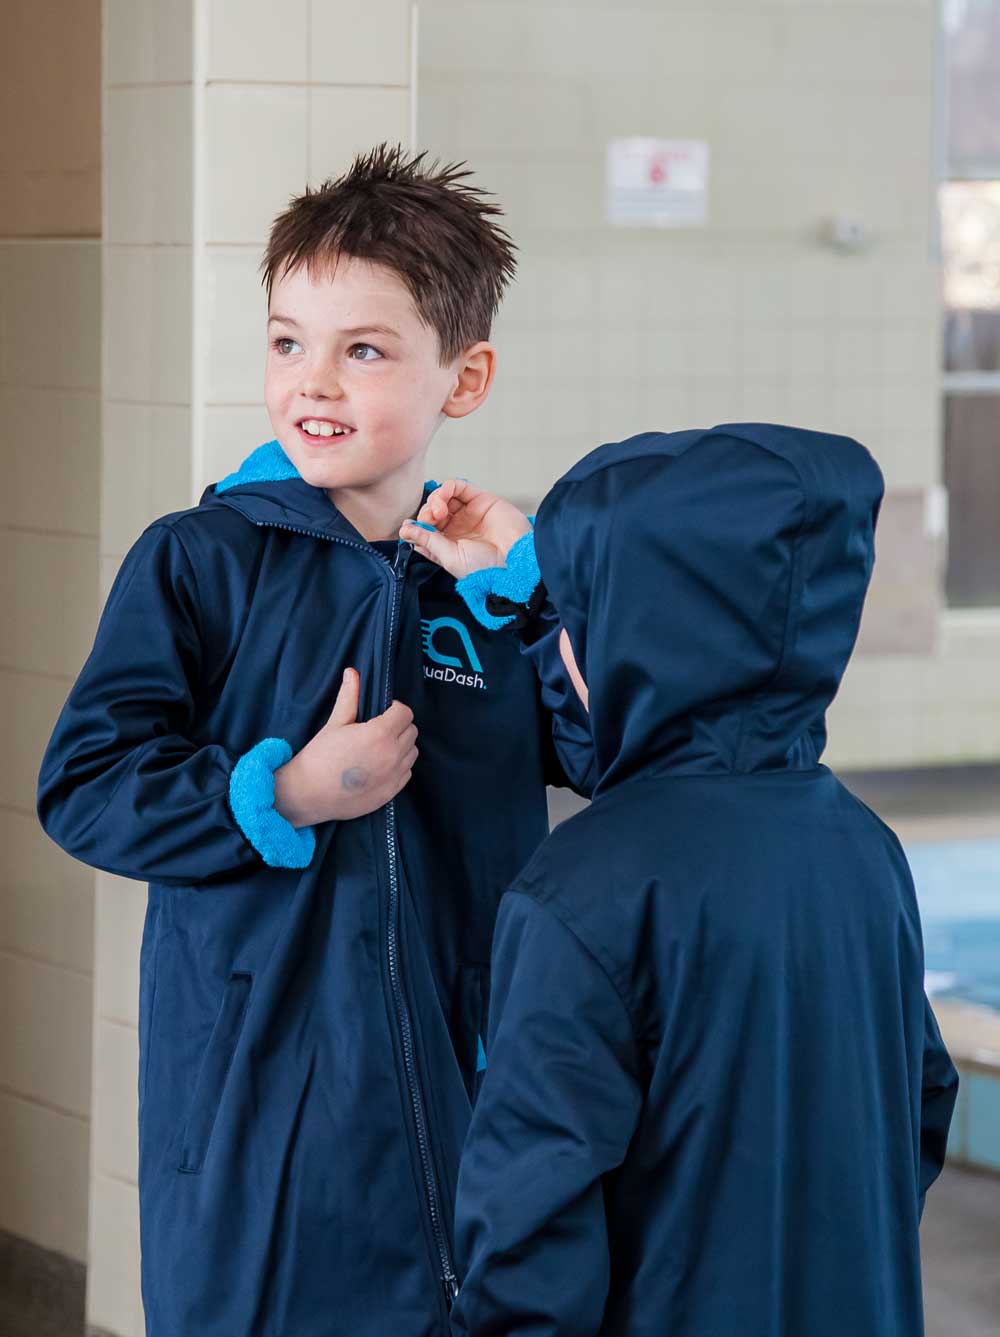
(716, 1094)
(308, 1034)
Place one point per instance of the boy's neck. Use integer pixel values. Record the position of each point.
(377, 511)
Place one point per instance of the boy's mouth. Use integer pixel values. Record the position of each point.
(319, 429)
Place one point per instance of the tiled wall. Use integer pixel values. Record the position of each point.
(50, 331)
(809, 110)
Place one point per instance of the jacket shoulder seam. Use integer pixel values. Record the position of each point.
(562, 915)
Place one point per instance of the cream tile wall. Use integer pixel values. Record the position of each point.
(50, 330)
(50, 148)
(809, 110)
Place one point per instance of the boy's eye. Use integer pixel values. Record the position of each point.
(365, 349)
(280, 345)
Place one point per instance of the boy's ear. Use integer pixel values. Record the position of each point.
(473, 377)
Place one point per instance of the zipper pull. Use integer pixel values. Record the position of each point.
(450, 1285)
(399, 562)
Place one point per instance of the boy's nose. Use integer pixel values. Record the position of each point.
(320, 383)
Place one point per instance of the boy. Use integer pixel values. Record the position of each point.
(716, 1094)
(314, 967)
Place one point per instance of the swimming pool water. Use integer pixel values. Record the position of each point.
(958, 889)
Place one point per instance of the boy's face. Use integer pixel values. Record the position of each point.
(346, 349)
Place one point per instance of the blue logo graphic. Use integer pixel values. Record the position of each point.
(430, 629)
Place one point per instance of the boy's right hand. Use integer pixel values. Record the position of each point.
(348, 769)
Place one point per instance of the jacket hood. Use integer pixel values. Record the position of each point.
(711, 583)
(268, 489)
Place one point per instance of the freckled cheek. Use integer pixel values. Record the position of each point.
(279, 391)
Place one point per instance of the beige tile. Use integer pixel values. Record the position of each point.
(911, 289)
(149, 41)
(665, 405)
(45, 1041)
(807, 349)
(114, 1300)
(622, 290)
(47, 48)
(147, 316)
(566, 289)
(831, 45)
(62, 202)
(910, 349)
(147, 469)
(505, 115)
(810, 403)
(763, 399)
(48, 591)
(121, 912)
(256, 138)
(44, 1176)
(230, 435)
(854, 741)
(534, 39)
(31, 706)
(347, 121)
(50, 319)
(116, 1102)
(110, 566)
(762, 351)
(236, 314)
(360, 44)
(51, 460)
(247, 41)
(47, 903)
(149, 165)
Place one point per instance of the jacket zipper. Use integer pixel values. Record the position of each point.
(449, 1280)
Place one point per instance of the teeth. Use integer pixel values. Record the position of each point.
(316, 428)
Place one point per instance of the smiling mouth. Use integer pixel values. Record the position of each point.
(322, 428)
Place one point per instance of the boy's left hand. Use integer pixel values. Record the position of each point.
(472, 528)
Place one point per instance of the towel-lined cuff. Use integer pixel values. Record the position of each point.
(251, 797)
(497, 596)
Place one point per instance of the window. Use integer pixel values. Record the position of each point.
(970, 240)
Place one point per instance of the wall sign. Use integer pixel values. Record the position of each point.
(657, 182)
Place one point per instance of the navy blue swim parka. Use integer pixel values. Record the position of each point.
(311, 1002)
(716, 1095)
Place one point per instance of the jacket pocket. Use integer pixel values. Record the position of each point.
(213, 1071)
(152, 933)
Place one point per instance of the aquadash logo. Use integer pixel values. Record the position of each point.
(449, 633)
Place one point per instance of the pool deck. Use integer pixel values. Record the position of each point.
(951, 805)
(935, 803)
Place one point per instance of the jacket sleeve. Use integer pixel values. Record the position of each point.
(938, 1095)
(123, 785)
(557, 1109)
(514, 597)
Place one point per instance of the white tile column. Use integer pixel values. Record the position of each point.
(216, 113)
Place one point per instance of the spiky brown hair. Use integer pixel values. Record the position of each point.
(436, 232)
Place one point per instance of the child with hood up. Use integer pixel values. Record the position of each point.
(716, 1093)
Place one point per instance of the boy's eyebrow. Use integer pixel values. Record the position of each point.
(354, 329)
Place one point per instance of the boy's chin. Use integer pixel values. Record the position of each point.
(336, 466)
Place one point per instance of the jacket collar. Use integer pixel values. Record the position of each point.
(268, 490)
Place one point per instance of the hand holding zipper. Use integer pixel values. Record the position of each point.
(348, 769)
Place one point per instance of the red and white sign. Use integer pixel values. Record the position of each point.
(657, 182)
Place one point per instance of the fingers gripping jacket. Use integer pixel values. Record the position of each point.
(499, 595)
(251, 797)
